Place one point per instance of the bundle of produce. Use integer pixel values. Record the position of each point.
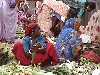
(72, 68)
(90, 65)
(20, 33)
(14, 68)
(3, 58)
(6, 54)
(96, 51)
(3, 54)
(52, 39)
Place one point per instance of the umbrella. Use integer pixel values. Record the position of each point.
(58, 6)
(44, 20)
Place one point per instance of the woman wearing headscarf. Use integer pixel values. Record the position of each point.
(8, 20)
(35, 48)
(68, 43)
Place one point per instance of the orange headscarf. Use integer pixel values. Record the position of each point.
(29, 28)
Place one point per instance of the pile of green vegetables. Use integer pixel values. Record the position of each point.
(85, 68)
(20, 33)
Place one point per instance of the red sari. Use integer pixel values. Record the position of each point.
(49, 56)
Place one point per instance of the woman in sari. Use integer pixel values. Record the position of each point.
(35, 48)
(68, 43)
(8, 20)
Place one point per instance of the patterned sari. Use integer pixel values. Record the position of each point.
(8, 21)
(68, 40)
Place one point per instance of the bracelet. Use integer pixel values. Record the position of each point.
(29, 51)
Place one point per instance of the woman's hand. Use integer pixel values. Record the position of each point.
(33, 48)
(28, 55)
(38, 48)
(42, 50)
(38, 45)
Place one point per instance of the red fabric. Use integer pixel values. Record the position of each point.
(96, 20)
(18, 51)
(29, 28)
(88, 29)
(91, 27)
(91, 55)
(91, 34)
(98, 29)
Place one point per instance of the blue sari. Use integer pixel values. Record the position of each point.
(67, 35)
(69, 23)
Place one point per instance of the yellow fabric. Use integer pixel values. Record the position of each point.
(76, 51)
(77, 24)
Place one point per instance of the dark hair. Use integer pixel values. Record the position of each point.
(32, 30)
(91, 5)
(73, 12)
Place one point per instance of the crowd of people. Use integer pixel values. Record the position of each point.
(36, 48)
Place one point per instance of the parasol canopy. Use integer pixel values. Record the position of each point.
(58, 6)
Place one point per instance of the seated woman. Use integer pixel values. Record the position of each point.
(68, 44)
(35, 48)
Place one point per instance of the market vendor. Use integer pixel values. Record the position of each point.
(68, 44)
(35, 48)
